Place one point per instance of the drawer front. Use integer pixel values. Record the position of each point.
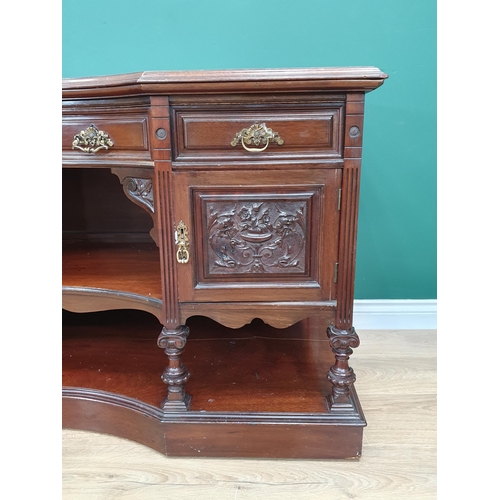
(253, 133)
(97, 135)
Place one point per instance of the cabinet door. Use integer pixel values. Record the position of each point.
(258, 235)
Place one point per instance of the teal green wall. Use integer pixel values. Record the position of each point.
(396, 256)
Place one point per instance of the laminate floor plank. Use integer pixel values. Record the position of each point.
(383, 473)
(396, 384)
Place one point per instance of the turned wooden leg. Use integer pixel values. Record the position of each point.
(341, 375)
(176, 374)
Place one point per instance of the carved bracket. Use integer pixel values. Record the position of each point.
(341, 375)
(138, 187)
(176, 374)
(141, 191)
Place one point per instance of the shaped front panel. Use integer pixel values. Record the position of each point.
(257, 236)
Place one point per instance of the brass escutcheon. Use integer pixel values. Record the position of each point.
(182, 242)
(92, 139)
(255, 135)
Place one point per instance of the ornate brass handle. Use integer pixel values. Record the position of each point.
(256, 135)
(182, 242)
(92, 139)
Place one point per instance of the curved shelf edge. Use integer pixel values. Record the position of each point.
(346, 414)
(84, 299)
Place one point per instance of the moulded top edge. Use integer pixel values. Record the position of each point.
(225, 76)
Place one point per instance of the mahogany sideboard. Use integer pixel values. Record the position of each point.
(220, 206)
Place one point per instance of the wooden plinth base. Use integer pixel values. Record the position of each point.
(256, 391)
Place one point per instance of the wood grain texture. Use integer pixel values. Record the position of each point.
(397, 384)
(124, 268)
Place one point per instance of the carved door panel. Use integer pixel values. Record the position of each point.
(257, 235)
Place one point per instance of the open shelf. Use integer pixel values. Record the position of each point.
(256, 391)
(110, 260)
(283, 370)
(98, 276)
(133, 268)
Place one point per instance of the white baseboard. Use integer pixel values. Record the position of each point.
(395, 314)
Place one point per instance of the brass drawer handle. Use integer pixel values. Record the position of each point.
(92, 139)
(182, 242)
(256, 135)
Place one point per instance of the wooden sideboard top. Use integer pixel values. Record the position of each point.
(249, 80)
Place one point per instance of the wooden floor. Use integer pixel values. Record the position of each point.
(396, 384)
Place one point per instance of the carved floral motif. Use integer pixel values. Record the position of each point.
(257, 236)
(140, 190)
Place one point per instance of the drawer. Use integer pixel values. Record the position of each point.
(97, 135)
(254, 132)
(106, 132)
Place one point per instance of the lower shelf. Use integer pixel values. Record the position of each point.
(257, 391)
